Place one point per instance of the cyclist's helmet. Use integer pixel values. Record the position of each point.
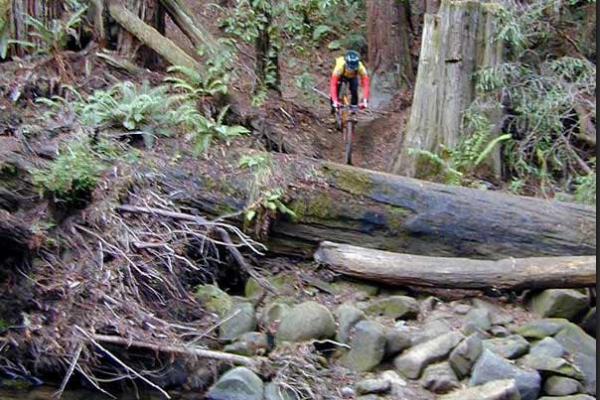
(352, 60)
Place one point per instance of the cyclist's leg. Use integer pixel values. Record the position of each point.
(354, 90)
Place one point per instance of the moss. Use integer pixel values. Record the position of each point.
(350, 179)
(4, 13)
(396, 217)
(214, 299)
(319, 206)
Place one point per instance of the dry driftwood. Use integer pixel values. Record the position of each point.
(378, 210)
(150, 36)
(459, 273)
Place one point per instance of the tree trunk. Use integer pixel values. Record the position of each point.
(459, 273)
(185, 20)
(351, 205)
(389, 48)
(456, 43)
(151, 37)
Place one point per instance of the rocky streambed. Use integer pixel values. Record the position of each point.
(359, 341)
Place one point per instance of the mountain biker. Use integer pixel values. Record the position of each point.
(348, 69)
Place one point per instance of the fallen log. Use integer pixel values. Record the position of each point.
(384, 211)
(397, 269)
(150, 36)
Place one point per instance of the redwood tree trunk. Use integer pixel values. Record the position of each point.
(456, 43)
(389, 48)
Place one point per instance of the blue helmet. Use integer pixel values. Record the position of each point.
(352, 59)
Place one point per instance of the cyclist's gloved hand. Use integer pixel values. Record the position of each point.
(336, 104)
(364, 104)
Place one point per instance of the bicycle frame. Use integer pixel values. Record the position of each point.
(345, 118)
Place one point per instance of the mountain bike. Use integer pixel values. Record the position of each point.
(345, 118)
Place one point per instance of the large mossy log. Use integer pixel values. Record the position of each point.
(351, 205)
(397, 269)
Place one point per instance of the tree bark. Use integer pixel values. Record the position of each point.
(389, 48)
(184, 19)
(389, 212)
(458, 273)
(151, 37)
(456, 43)
(267, 54)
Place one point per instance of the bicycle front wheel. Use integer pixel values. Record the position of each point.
(349, 133)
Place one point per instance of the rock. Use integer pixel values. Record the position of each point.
(497, 315)
(490, 367)
(347, 392)
(274, 392)
(439, 378)
(428, 305)
(237, 384)
(461, 308)
(368, 386)
(367, 344)
(395, 307)
(241, 319)
(573, 397)
(553, 365)
(582, 349)
(273, 312)
(214, 299)
(309, 320)
(559, 303)
(547, 347)
(369, 397)
(465, 354)
(431, 330)
(478, 319)
(494, 390)
(397, 383)
(396, 340)
(412, 361)
(249, 344)
(359, 290)
(347, 316)
(499, 331)
(510, 347)
(561, 386)
(542, 328)
(589, 322)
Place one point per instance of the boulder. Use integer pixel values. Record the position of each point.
(497, 315)
(547, 347)
(542, 328)
(273, 312)
(499, 331)
(367, 344)
(573, 397)
(478, 319)
(439, 378)
(491, 367)
(395, 307)
(397, 383)
(412, 361)
(306, 321)
(589, 322)
(237, 384)
(559, 303)
(494, 390)
(249, 344)
(430, 330)
(357, 290)
(396, 340)
(582, 350)
(510, 347)
(373, 386)
(214, 299)
(241, 319)
(465, 354)
(561, 386)
(347, 316)
(552, 365)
